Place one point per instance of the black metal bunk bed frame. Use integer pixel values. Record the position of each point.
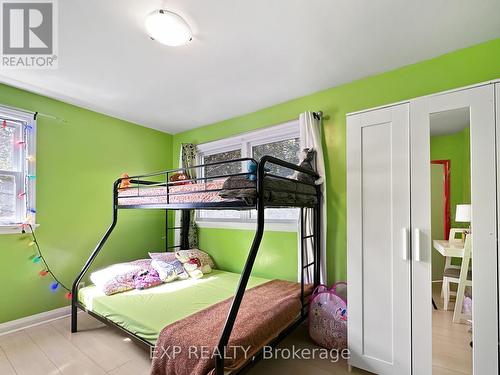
(259, 205)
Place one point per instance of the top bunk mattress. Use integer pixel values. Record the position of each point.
(277, 192)
(146, 312)
(206, 192)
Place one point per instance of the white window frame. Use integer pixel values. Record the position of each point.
(245, 142)
(25, 159)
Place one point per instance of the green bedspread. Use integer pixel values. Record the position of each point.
(146, 312)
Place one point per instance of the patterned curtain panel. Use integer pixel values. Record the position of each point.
(189, 229)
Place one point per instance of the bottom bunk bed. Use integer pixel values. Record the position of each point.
(181, 321)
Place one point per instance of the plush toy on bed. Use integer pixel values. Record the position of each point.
(125, 182)
(307, 163)
(252, 170)
(195, 262)
(180, 178)
(193, 268)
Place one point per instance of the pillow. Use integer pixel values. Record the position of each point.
(118, 277)
(179, 270)
(165, 270)
(166, 256)
(185, 255)
(145, 279)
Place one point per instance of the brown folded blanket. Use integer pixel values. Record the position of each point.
(189, 346)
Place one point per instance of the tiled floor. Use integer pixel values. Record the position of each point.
(451, 352)
(50, 349)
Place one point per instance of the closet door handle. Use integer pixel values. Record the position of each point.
(405, 247)
(417, 245)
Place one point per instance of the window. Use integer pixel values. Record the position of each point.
(281, 141)
(222, 169)
(17, 169)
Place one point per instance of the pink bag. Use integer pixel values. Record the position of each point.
(328, 316)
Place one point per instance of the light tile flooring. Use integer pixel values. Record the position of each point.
(50, 349)
(451, 352)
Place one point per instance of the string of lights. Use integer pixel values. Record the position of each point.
(27, 228)
(38, 258)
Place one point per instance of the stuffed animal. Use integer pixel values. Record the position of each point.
(125, 182)
(307, 163)
(193, 268)
(252, 170)
(195, 262)
(179, 178)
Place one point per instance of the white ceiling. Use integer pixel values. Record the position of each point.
(245, 55)
(449, 122)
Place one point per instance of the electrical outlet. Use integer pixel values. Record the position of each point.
(81, 284)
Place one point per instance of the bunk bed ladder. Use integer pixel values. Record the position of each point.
(304, 267)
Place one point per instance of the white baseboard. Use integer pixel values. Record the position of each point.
(34, 320)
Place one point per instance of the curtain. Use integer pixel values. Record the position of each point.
(189, 229)
(310, 137)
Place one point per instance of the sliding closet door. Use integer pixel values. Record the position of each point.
(478, 103)
(378, 219)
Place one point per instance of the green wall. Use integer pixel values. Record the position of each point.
(456, 148)
(77, 161)
(277, 253)
(460, 68)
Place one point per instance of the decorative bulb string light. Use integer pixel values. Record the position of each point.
(39, 258)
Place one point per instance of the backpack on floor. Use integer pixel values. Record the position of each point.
(328, 316)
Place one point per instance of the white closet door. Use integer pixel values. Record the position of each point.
(378, 219)
(480, 103)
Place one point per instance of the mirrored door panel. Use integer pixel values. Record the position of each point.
(450, 258)
(454, 233)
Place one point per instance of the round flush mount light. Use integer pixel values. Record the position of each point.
(168, 28)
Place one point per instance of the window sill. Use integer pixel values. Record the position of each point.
(14, 228)
(272, 226)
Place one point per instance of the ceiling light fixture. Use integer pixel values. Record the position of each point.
(168, 28)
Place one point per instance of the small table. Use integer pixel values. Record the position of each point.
(448, 249)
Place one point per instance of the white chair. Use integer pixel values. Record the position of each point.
(463, 277)
(445, 288)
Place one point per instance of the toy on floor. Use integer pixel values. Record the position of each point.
(328, 316)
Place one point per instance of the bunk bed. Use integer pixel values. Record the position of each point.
(227, 191)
